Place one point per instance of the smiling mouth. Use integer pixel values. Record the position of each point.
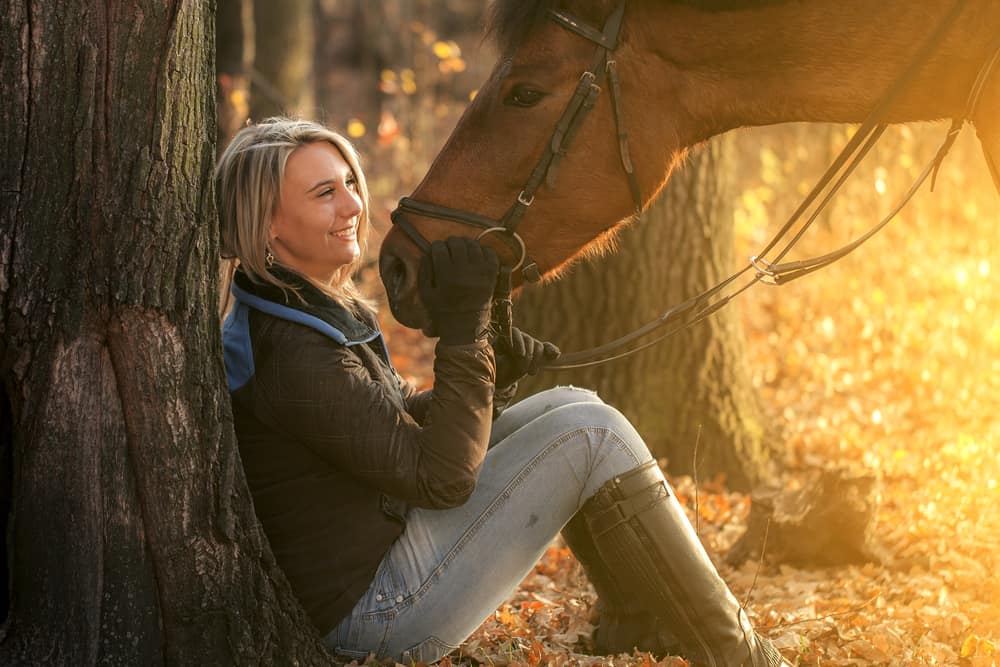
(346, 232)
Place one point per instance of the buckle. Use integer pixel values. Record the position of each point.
(764, 270)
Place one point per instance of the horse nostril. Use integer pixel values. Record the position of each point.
(393, 272)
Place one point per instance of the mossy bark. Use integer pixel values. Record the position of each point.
(131, 535)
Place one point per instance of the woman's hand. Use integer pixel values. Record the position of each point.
(523, 355)
(456, 283)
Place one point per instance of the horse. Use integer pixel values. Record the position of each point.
(677, 72)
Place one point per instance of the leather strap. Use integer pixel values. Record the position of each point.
(627, 495)
(615, 91)
(607, 39)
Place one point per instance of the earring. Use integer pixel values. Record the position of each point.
(268, 258)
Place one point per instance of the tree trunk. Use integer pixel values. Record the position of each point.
(346, 71)
(131, 532)
(690, 394)
(283, 62)
(234, 53)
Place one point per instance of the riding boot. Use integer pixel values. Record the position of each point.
(624, 624)
(649, 547)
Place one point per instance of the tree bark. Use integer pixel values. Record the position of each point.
(283, 63)
(131, 531)
(690, 396)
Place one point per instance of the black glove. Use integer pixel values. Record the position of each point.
(456, 282)
(524, 355)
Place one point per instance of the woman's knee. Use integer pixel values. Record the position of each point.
(557, 397)
(587, 423)
(538, 406)
(607, 419)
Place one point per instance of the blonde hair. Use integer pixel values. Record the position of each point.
(248, 189)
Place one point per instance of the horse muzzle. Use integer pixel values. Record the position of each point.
(399, 261)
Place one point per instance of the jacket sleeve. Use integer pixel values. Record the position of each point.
(417, 401)
(502, 398)
(320, 393)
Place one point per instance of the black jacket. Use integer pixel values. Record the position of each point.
(335, 445)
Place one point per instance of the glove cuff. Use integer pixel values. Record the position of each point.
(463, 328)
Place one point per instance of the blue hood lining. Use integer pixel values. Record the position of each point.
(236, 345)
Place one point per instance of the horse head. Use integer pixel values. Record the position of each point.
(688, 70)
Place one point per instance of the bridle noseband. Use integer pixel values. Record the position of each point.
(583, 100)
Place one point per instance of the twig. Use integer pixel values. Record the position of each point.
(845, 612)
(697, 511)
(487, 656)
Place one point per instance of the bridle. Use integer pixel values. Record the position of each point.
(579, 106)
(771, 271)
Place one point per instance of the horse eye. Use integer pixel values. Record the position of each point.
(523, 96)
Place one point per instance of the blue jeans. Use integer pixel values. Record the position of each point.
(450, 569)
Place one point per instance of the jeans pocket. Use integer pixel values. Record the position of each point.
(387, 589)
(361, 635)
(430, 650)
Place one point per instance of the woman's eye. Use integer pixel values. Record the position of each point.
(523, 96)
(352, 183)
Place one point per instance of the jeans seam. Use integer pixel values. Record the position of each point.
(505, 494)
(430, 638)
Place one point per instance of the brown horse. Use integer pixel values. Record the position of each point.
(689, 70)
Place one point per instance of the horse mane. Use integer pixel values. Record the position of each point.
(510, 21)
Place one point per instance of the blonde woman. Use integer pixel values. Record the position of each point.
(402, 519)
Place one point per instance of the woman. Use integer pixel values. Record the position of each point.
(402, 518)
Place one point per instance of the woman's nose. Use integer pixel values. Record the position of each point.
(353, 205)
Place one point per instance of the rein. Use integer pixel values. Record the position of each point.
(773, 271)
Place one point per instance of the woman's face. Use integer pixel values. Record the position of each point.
(315, 227)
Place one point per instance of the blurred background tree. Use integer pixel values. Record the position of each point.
(282, 79)
(690, 396)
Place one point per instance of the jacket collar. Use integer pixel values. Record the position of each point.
(314, 303)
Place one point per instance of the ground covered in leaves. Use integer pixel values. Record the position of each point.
(888, 362)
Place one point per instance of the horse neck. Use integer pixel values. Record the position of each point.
(826, 60)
